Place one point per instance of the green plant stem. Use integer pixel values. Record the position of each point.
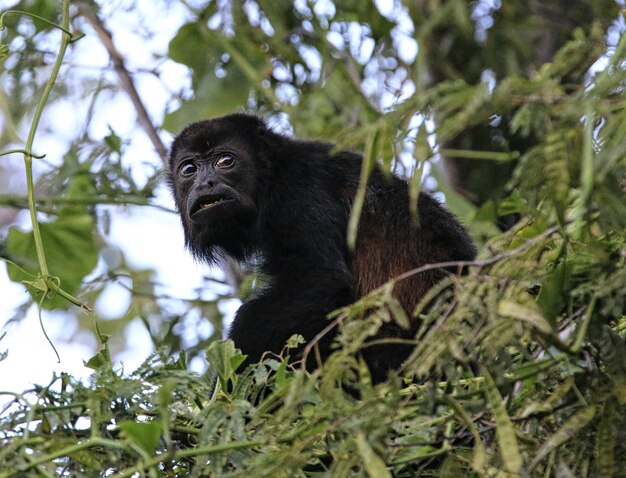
(581, 333)
(64, 29)
(21, 201)
(501, 157)
(67, 451)
(56, 408)
(359, 199)
(66, 37)
(23, 151)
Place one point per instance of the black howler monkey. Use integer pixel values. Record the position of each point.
(247, 192)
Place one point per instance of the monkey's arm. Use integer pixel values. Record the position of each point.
(297, 302)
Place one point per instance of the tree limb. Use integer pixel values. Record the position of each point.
(126, 81)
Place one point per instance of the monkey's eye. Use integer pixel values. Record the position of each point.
(224, 161)
(187, 168)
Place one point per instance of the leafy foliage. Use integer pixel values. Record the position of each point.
(519, 367)
(73, 253)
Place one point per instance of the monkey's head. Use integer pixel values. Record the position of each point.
(218, 170)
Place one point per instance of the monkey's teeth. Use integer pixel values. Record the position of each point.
(209, 204)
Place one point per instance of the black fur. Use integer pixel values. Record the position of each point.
(286, 204)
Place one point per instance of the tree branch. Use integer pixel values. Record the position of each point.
(126, 81)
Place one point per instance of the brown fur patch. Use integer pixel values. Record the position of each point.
(380, 257)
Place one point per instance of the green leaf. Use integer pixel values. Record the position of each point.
(102, 358)
(180, 363)
(295, 341)
(190, 48)
(282, 379)
(505, 432)
(80, 186)
(225, 359)
(606, 440)
(566, 432)
(525, 313)
(44, 9)
(214, 97)
(479, 458)
(113, 141)
(360, 11)
(146, 435)
(70, 251)
(373, 464)
(550, 297)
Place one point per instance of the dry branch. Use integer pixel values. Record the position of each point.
(126, 81)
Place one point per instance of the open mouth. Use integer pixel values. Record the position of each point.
(207, 202)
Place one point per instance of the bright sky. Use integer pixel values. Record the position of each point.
(31, 359)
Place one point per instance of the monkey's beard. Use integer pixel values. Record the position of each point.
(218, 235)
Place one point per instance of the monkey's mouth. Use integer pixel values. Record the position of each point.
(207, 202)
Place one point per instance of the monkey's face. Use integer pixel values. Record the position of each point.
(214, 181)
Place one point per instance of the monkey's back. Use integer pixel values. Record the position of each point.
(389, 242)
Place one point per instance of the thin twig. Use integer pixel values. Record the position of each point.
(483, 262)
(20, 202)
(126, 81)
